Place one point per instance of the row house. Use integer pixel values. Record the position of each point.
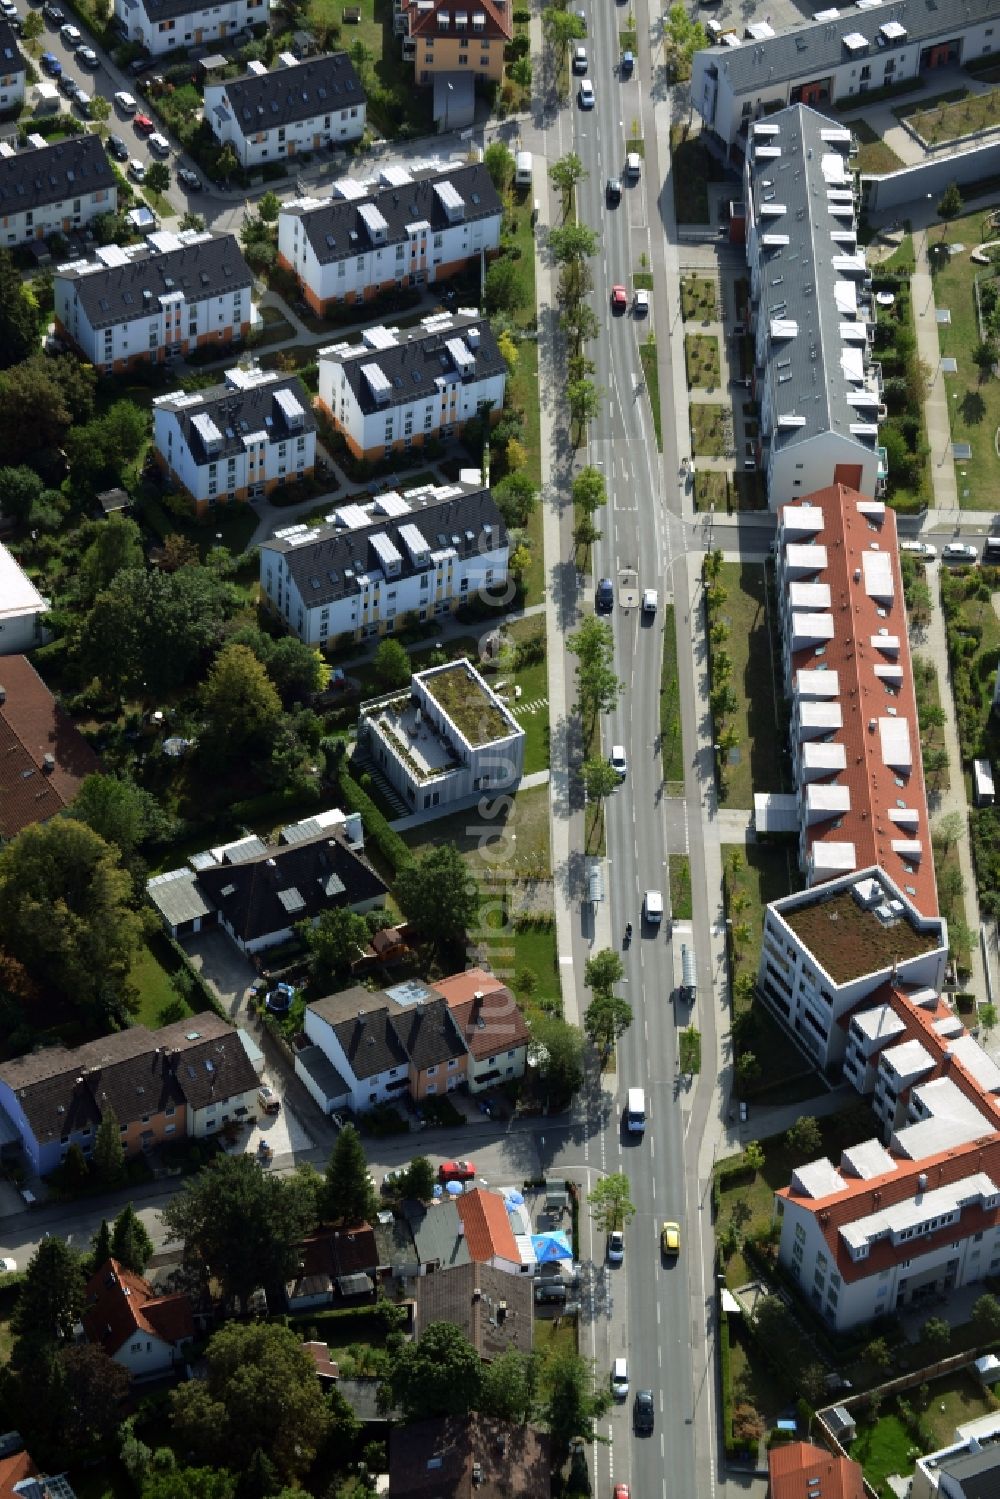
(54, 189)
(298, 108)
(443, 40)
(145, 304)
(13, 70)
(163, 26)
(236, 441)
(406, 230)
(376, 565)
(811, 311)
(400, 387)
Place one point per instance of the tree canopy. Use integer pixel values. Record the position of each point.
(337, 939)
(116, 545)
(441, 1375)
(611, 1202)
(346, 1195)
(240, 702)
(439, 894)
(50, 1300)
(18, 314)
(130, 1242)
(119, 811)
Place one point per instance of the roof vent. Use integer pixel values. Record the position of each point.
(48, 764)
(3, 695)
(922, 1182)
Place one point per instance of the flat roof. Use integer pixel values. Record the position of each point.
(18, 595)
(850, 940)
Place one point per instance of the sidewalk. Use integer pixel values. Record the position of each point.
(936, 402)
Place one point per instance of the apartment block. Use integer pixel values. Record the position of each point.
(839, 54)
(399, 387)
(163, 26)
(144, 304)
(811, 312)
(374, 565)
(13, 70)
(406, 229)
(236, 441)
(53, 189)
(297, 108)
(440, 39)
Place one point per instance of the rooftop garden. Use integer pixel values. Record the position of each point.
(468, 704)
(853, 941)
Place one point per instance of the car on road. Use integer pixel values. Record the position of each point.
(71, 35)
(633, 166)
(268, 1100)
(116, 147)
(81, 99)
(586, 95)
(125, 102)
(650, 600)
(88, 57)
(604, 600)
(457, 1171)
(619, 1379)
(919, 548)
(616, 1247)
(137, 170)
(192, 182)
(619, 299)
(640, 303)
(8, 10)
(579, 59)
(627, 66)
(67, 85)
(52, 14)
(613, 192)
(652, 907)
(670, 1238)
(143, 124)
(622, 1491)
(51, 64)
(158, 144)
(8, 1267)
(959, 551)
(643, 1413)
(618, 762)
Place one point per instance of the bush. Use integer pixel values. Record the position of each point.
(390, 846)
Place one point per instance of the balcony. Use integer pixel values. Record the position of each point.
(882, 473)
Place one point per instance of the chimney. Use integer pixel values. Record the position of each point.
(3, 696)
(48, 764)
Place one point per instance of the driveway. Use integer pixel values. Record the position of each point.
(228, 972)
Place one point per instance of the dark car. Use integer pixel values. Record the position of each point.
(190, 179)
(53, 15)
(642, 1413)
(604, 601)
(67, 85)
(117, 148)
(140, 65)
(51, 64)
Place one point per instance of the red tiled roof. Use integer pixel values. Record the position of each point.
(847, 537)
(485, 1012)
(14, 1470)
(120, 1303)
(487, 1226)
(423, 22)
(32, 725)
(320, 1355)
(792, 1465)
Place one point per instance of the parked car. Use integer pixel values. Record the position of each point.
(616, 1247)
(640, 303)
(579, 59)
(67, 85)
(268, 1100)
(919, 548)
(137, 170)
(158, 144)
(81, 99)
(51, 64)
(116, 147)
(71, 35)
(650, 600)
(959, 551)
(189, 179)
(8, 1267)
(88, 57)
(604, 600)
(52, 14)
(551, 1292)
(125, 102)
(140, 65)
(457, 1171)
(8, 10)
(619, 1379)
(627, 64)
(143, 124)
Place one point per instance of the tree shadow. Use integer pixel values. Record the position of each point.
(972, 408)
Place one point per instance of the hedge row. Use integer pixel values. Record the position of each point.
(725, 1361)
(202, 996)
(389, 844)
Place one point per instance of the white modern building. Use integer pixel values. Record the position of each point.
(399, 387)
(297, 108)
(139, 304)
(404, 229)
(21, 608)
(163, 26)
(968, 1466)
(53, 189)
(236, 441)
(444, 740)
(837, 55)
(811, 311)
(377, 564)
(13, 70)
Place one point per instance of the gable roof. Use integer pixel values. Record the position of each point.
(796, 1468)
(11, 60)
(485, 1012)
(118, 1304)
(39, 175)
(218, 422)
(437, 1233)
(487, 1227)
(423, 19)
(493, 1309)
(458, 1457)
(316, 86)
(363, 1026)
(410, 365)
(134, 285)
(13, 1470)
(32, 727)
(166, 10)
(427, 1033)
(342, 227)
(340, 1251)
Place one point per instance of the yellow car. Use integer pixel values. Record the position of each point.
(670, 1238)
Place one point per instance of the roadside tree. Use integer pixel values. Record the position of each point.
(346, 1195)
(611, 1203)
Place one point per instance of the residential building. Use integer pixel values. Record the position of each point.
(44, 759)
(144, 1332)
(334, 1263)
(183, 1081)
(20, 1478)
(399, 387)
(488, 1231)
(13, 70)
(834, 56)
(258, 892)
(21, 608)
(811, 311)
(405, 229)
(298, 108)
(440, 40)
(968, 1468)
(468, 1457)
(163, 26)
(855, 738)
(54, 189)
(494, 1029)
(438, 1236)
(376, 565)
(236, 441)
(493, 1310)
(443, 740)
(801, 1470)
(146, 303)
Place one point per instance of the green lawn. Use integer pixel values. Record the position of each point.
(651, 373)
(753, 1380)
(955, 1399)
(701, 361)
(523, 393)
(709, 433)
(671, 745)
(395, 105)
(514, 843)
(151, 977)
(552, 1336)
(680, 887)
(874, 156)
(883, 1449)
(767, 872)
(711, 488)
(699, 299)
(950, 117)
(928, 695)
(517, 225)
(755, 764)
(534, 684)
(515, 949)
(974, 404)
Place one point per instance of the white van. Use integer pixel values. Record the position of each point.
(635, 1111)
(523, 169)
(652, 907)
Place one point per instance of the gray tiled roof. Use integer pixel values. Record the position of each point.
(468, 1296)
(207, 268)
(330, 566)
(238, 412)
(37, 176)
(365, 1030)
(11, 60)
(418, 360)
(437, 1233)
(427, 1032)
(818, 46)
(166, 10)
(320, 85)
(338, 230)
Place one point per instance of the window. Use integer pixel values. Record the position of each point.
(452, 1061)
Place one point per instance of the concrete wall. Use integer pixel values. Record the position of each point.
(899, 190)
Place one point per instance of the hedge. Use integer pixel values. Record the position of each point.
(200, 989)
(725, 1362)
(389, 844)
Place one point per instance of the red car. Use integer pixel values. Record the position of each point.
(619, 299)
(143, 123)
(457, 1171)
(622, 1491)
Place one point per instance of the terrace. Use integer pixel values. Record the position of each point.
(852, 941)
(468, 703)
(424, 751)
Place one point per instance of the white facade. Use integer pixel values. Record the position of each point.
(145, 1354)
(335, 122)
(210, 1119)
(74, 211)
(21, 608)
(365, 1092)
(13, 76)
(168, 27)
